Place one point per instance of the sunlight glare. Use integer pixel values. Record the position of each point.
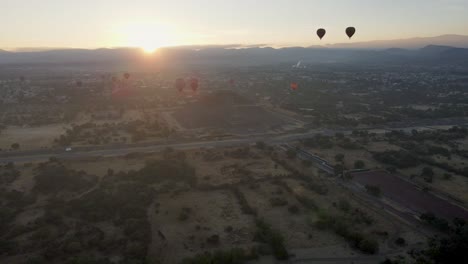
(149, 37)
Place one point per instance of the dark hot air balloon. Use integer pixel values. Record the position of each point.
(294, 86)
(321, 33)
(180, 84)
(79, 83)
(350, 32)
(127, 75)
(194, 84)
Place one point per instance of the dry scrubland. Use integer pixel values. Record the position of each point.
(111, 126)
(448, 183)
(177, 205)
(30, 137)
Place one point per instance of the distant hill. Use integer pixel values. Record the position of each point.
(215, 55)
(458, 41)
(70, 56)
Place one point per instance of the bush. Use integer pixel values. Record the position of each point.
(339, 157)
(184, 214)
(15, 146)
(213, 240)
(368, 246)
(306, 202)
(359, 164)
(373, 190)
(291, 154)
(271, 237)
(53, 177)
(344, 205)
(428, 174)
(438, 223)
(278, 201)
(307, 163)
(341, 226)
(245, 207)
(400, 159)
(400, 241)
(233, 256)
(260, 145)
(293, 209)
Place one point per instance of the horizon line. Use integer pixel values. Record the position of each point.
(226, 46)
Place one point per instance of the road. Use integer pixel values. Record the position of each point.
(120, 150)
(148, 147)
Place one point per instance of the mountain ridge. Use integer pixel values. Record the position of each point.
(430, 54)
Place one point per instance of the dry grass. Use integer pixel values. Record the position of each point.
(30, 137)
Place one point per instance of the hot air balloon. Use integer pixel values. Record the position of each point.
(180, 84)
(22, 79)
(122, 92)
(294, 86)
(79, 83)
(321, 33)
(350, 32)
(127, 75)
(194, 84)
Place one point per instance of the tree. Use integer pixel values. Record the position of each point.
(359, 164)
(368, 246)
(392, 170)
(447, 176)
(307, 163)
(339, 169)
(373, 190)
(428, 174)
(339, 157)
(15, 146)
(291, 153)
(400, 241)
(339, 135)
(260, 145)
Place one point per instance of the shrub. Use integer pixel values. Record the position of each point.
(359, 164)
(400, 241)
(233, 256)
(293, 209)
(344, 205)
(368, 246)
(278, 201)
(271, 237)
(373, 190)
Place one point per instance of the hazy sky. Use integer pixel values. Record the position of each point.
(152, 23)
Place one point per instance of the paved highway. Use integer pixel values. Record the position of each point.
(120, 150)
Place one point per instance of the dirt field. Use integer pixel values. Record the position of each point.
(30, 137)
(407, 194)
(208, 214)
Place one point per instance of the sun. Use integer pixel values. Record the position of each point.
(148, 37)
(149, 49)
(148, 41)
